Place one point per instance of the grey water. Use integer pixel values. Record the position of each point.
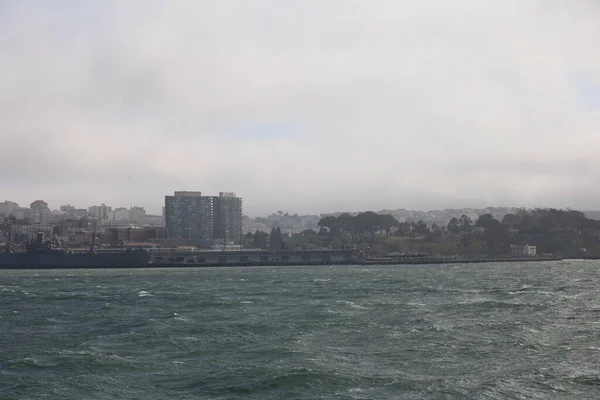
(482, 331)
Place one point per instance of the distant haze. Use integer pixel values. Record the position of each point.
(307, 106)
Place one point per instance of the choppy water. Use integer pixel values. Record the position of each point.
(493, 331)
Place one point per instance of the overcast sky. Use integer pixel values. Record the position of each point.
(304, 106)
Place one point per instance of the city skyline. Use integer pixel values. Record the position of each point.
(100, 210)
(310, 107)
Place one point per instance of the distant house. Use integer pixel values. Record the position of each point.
(523, 250)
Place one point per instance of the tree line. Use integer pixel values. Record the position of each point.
(560, 232)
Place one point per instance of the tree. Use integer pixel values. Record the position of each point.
(345, 222)
(367, 222)
(330, 223)
(276, 239)
(435, 234)
(487, 221)
(387, 222)
(404, 229)
(512, 220)
(421, 228)
(465, 225)
(453, 226)
(526, 224)
(495, 233)
(260, 239)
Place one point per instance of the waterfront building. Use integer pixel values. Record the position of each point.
(523, 250)
(191, 255)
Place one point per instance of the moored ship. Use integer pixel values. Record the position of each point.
(48, 254)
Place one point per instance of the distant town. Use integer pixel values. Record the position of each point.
(193, 219)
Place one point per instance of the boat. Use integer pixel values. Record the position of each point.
(49, 254)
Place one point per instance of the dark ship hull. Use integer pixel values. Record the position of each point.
(50, 254)
(134, 259)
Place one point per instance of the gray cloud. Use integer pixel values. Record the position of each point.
(306, 106)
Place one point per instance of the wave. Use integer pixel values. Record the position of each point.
(352, 304)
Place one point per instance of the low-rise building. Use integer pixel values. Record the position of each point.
(523, 250)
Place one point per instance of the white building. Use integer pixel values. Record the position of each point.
(137, 214)
(76, 213)
(21, 213)
(155, 220)
(8, 207)
(119, 214)
(102, 212)
(41, 213)
(523, 250)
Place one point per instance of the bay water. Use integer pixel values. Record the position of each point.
(476, 331)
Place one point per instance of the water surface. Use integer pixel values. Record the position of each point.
(479, 331)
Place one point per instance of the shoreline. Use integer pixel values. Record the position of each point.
(429, 261)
